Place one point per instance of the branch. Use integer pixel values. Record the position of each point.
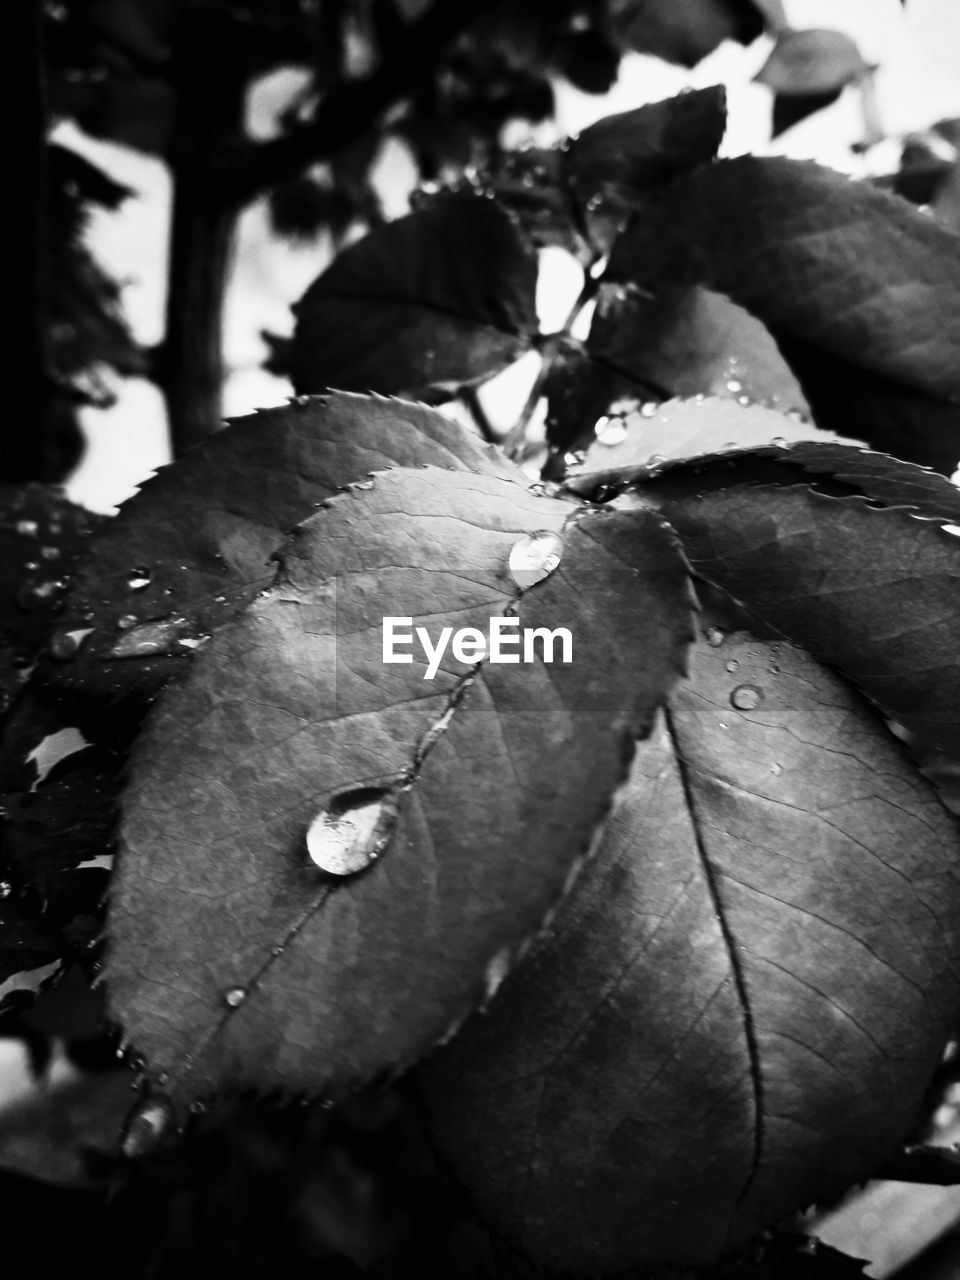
(349, 110)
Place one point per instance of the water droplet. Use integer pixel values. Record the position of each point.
(27, 528)
(67, 644)
(649, 410)
(50, 553)
(346, 837)
(139, 579)
(126, 621)
(147, 1125)
(776, 770)
(6, 888)
(534, 557)
(197, 1108)
(497, 970)
(610, 431)
(151, 638)
(235, 997)
(656, 460)
(743, 401)
(779, 442)
(715, 637)
(734, 385)
(362, 484)
(746, 697)
(36, 595)
(733, 665)
(773, 669)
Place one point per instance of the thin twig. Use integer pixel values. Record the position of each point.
(481, 419)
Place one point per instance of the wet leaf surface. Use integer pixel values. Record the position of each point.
(235, 960)
(770, 921)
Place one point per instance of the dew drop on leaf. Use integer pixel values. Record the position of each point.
(610, 430)
(649, 410)
(126, 621)
(6, 888)
(534, 557)
(147, 1125)
(734, 385)
(27, 528)
(746, 697)
(715, 636)
(733, 665)
(139, 579)
(36, 595)
(346, 837)
(50, 553)
(65, 645)
(235, 997)
(776, 769)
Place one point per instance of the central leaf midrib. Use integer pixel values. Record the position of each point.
(736, 968)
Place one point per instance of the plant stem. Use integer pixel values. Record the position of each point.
(479, 415)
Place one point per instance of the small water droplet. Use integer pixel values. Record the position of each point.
(36, 595)
(139, 579)
(27, 528)
(743, 401)
(362, 484)
(715, 636)
(610, 431)
(235, 997)
(352, 833)
(733, 665)
(655, 460)
(167, 635)
(147, 1125)
(534, 557)
(197, 1108)
(649, 409)
(126, 621)
(776, 770)
(50, 553)
(779, 442)
(734, 385)
(773, 669)
(746, 697)
(6, 888)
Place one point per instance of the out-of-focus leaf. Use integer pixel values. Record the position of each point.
(194, 546)
(848, 270)
(684, 31)
(790, 108)
(812, 63)
(24, 944)
(769, 921)
(52, 1135)
(441, 298)
(234, 961)
(866, 583)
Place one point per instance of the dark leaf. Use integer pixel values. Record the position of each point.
(867, 584)
(421, 306)
(790, 108)
(770, 921)
(620, 157)
(684, 31)
(849, 270)
(194, 546)
(234, 961)
(936, 1166)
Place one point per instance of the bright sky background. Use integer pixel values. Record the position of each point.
(918, 50)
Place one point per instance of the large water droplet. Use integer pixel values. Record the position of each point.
(734, 384)
(610, 431)
(139, 579)
(715, 636)
(235, 997)
(649, 410)
(534, 557)
(147, 1125)
(733, 665)
(27, 528)
(6, 888)
(346, 837)
(746, 697)
(126, 621)
(65, 645)
(168, 635)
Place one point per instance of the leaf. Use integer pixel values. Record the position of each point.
(24, 945)
(194, 546)
(866, 584)
(791, 108)
(769, 921)
(684, 31)
(678, 342)
(648, 443)
(484, 785)
(442, 298)
(812, 63)
(850, 271)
